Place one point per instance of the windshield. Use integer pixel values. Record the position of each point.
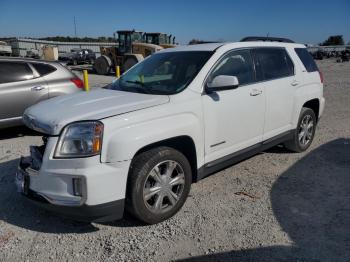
(163, 73)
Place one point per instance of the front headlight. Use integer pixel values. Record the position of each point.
(81, 139)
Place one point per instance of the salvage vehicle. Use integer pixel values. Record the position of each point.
(25, 82)
(178, 116)
(78, 56)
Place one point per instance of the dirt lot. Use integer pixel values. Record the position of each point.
(276, 206)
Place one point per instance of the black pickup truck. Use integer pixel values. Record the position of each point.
(78, 56)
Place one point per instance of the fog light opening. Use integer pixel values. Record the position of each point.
(77, 186)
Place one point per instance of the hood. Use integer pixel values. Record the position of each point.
(52, 115)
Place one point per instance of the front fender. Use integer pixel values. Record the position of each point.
(121, 144)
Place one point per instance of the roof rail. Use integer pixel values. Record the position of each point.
(266, 39)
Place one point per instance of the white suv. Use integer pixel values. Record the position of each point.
(176, 117)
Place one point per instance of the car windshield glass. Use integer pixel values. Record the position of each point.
(163, 73)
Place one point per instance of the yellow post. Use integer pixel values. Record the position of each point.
(86, 80)
(117, 71)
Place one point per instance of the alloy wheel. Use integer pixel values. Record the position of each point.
(306, 130)
(163, 186)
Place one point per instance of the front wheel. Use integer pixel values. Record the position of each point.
(159, 183)
(305, 131)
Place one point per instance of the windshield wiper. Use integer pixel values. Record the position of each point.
(141, 86)
(136, 82)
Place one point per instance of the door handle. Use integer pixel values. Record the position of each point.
(295, 83)
(255, 92)
(37, 88)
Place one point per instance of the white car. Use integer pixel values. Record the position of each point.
(176, 117)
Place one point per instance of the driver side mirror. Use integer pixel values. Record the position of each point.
(222, 82)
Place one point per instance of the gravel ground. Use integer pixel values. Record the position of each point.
(275, 206)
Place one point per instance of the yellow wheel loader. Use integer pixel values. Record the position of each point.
(129, 51)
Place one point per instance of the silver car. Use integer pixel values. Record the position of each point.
(25, 82)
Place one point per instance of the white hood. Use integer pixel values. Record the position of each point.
(52, 115)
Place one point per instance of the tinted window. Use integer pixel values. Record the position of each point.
(14, 72)
(273, 63)
(307, 59)
(239, 64)
(44, 69)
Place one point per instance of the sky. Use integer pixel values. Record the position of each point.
(215, 20)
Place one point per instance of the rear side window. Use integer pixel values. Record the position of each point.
(43, 69)
(14, 72)
(237, 63)
(307, 59)
(273, 63)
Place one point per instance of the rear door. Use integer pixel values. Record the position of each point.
(20, 87)
(275, 72)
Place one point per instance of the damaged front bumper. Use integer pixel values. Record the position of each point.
(64, 194)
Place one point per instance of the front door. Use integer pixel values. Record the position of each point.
(234, 119)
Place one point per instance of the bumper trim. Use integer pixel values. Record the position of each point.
(110, 211)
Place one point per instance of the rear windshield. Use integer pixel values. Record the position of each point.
(307, 59)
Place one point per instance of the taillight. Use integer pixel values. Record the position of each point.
(78, 83)
(321, 76)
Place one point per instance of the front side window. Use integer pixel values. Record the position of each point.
(273, 63)
(14, 72)
(237, 63)
(163, 73)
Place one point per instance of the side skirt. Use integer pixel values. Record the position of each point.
(229, 160)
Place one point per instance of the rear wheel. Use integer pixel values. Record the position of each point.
(305, 132)
(159, 183)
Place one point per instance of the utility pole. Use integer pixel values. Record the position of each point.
(75, 28)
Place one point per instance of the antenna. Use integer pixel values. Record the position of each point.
(75, 28)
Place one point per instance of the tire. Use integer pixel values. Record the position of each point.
(307, 117)
(102, 65)
(129, 62)
(75, 62)
(148, 174)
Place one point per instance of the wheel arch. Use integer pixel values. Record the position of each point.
(313, 104)
(183, 144)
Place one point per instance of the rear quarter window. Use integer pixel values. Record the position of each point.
(306, 59)
(14, 72)
(273, 63)
(43, 69)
